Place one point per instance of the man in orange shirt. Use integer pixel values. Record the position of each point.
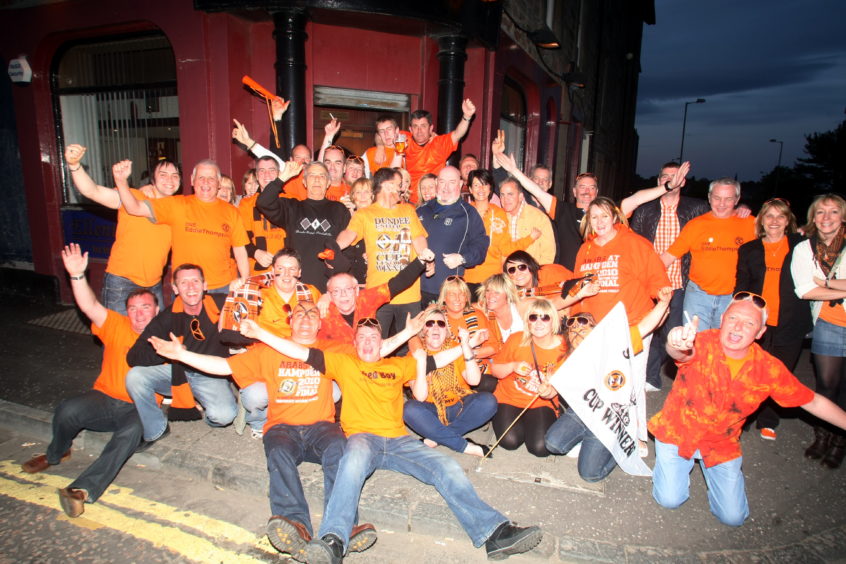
(265, 238)
(204, 229)
(371, 417)
(382, 154)
(712, 239)
(107, 407)
(723, 377)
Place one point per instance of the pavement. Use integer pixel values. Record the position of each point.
(796, 504)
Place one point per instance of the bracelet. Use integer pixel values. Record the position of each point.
(250, 148)
(74, 169)
(469, 359)
(78, 277)
(667, 186)
(465, 118)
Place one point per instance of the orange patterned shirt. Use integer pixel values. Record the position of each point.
(707, 405)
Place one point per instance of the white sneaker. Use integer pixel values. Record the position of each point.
(256, 434)
(574, 452)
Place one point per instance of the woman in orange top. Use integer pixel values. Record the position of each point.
(523, 367)
(452, 408)
(545, 281)
(496, 227)
(460, 314)
(763, 268)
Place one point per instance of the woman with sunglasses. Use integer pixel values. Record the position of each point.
(454, 299)
(569, 435)
(452, 408)
(763, 268)
(546, 281)
(523, 366)
(819, 273)
(496, 226)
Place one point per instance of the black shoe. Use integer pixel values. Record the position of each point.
(147, 444)
(509, 539)
(486, 450)
(326, 550)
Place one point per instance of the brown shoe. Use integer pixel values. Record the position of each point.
(39, 463)
(288, 536)
(73, 501)
(362, 537)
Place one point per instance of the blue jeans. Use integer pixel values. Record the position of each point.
(708, 307)
(116, 288)
(144, 382)
(726, 488)
(407, 455)
(254, 400)
(595, 461)
(96, 411)
(471, 412)
(222, 290)
(286, 447)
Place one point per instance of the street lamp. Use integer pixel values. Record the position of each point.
(778, 165)
(684, 125)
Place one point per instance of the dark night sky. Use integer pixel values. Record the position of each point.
(767, 69)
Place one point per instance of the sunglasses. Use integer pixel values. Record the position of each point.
(369, 322)
(439, 322)
(196, 331)
(580, 319)
(454, 277)
(542, 316)
(515, 267)
(750, 296)
(355, 159)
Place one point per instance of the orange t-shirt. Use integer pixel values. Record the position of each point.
(496, 226)
(388, 235)
(294, 188)
(372, 391)
(263, 234)
(275, 311)
(430, 157)
(370, 156)
(712, 244)
(140, 248)
(335, 193)
(774, 254)
(297, 394)
(627, 269)
(118, 337)
(203, 233)
(519, 390)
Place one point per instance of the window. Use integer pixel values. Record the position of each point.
(512, 120)
(117, 97)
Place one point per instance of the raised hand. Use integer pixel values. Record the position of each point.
(278, 106)
(76, 262)
(498, 145)
(468, 108)
(240, 134)
(74, 153)
(122, 170)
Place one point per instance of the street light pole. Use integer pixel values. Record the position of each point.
(778, 164)
(684, 126)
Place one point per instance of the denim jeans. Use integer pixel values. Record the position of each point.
(658, 350)
(144, 382)
(116, 288)
(595, 461)
(471, 412)
(96, 411)
(222, 290)
(726, 487)
(365, 453)
(708, 307)
(286, 447)
(254, 400)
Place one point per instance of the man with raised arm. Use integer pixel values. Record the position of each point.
(139, 253)
(371, 418)
(107, 407)
(204, 229)
(300, 425)
(265, 238)
(723, 377)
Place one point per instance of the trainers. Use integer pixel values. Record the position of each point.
(288, 536)
(509, 539)
(240, 421)
(327, 550)
(256, 433)
(362, 537)
(768, 434)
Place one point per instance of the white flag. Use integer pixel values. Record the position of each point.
(598, 382)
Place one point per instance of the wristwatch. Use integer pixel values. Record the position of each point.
(667, 186)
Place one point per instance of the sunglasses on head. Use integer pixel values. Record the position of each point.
(369, 322)
(453, 277)
(580, 319)
(196, 331)
(750, 296)
(432, 322)
(515, 267)
(542, 316)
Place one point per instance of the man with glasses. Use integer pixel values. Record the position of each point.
(723, 378)
(193, 318)
(309, 224)
(300, 425)
(371, 418)
(712, 239)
